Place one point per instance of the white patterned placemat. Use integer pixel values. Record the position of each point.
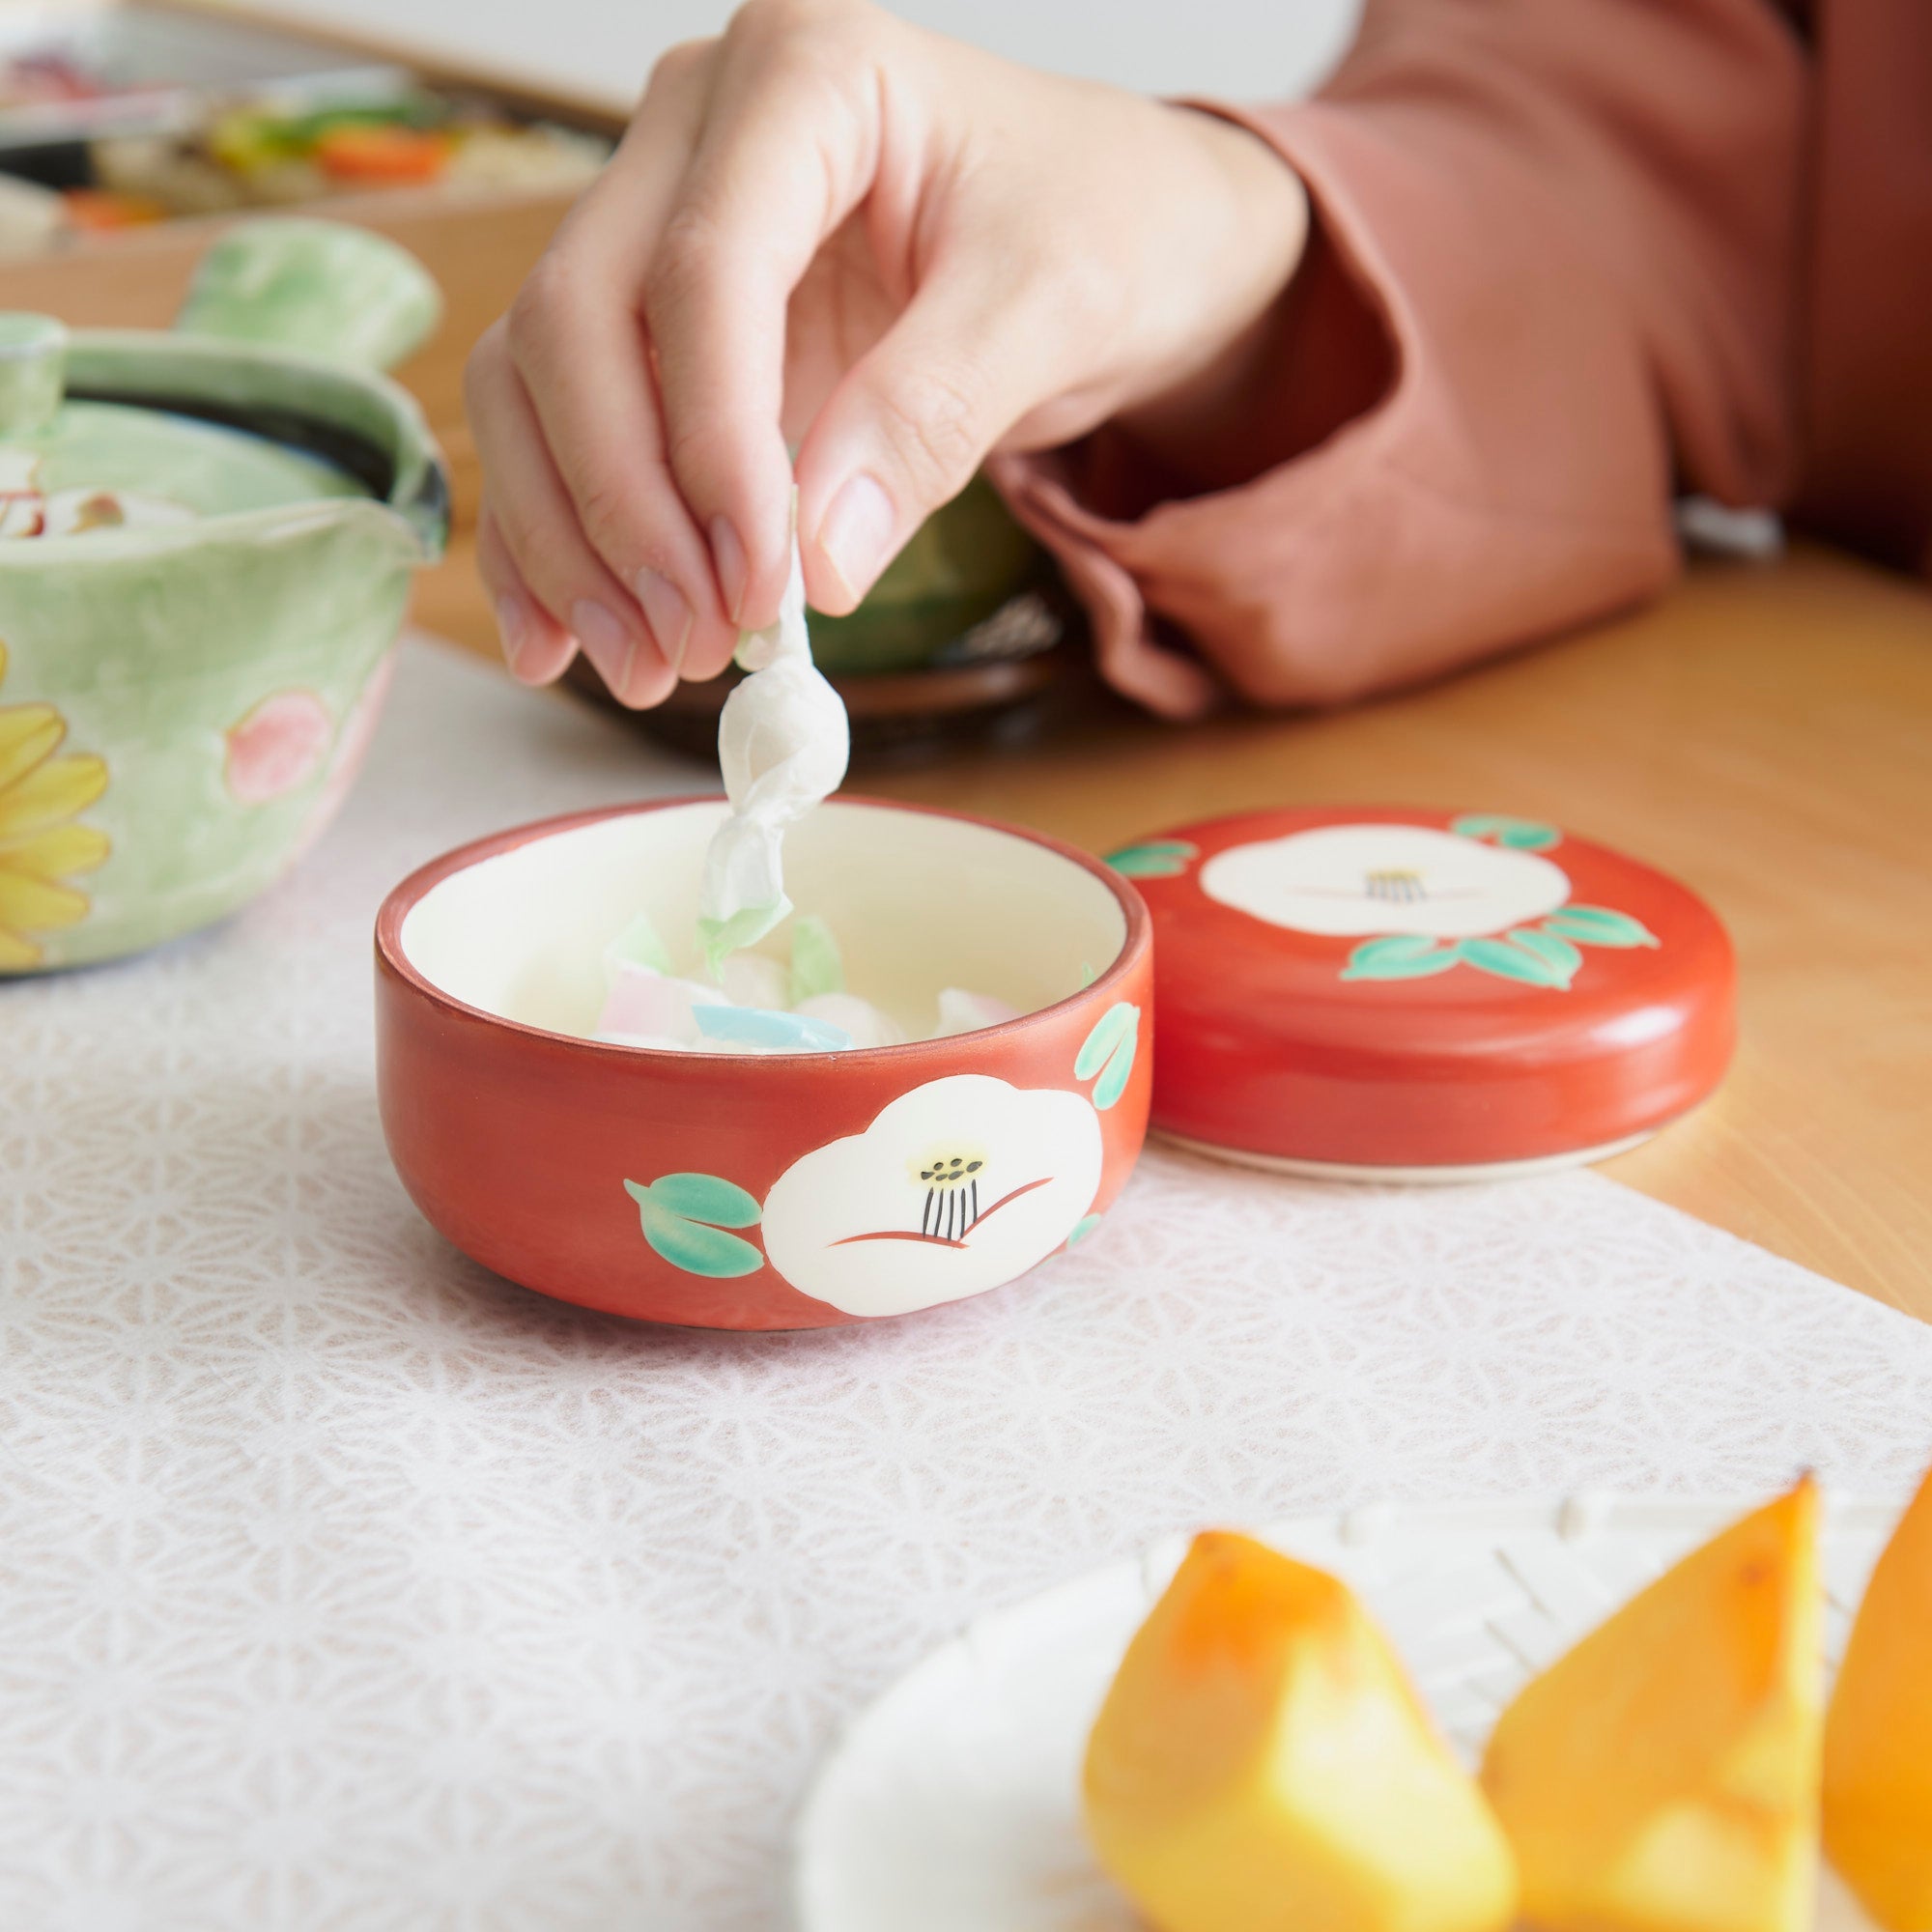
(952, 1801)
(347, 1588)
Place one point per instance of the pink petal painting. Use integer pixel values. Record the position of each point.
(279, 746)
(359, 730)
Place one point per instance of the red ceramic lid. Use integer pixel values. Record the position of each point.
(1372, 987)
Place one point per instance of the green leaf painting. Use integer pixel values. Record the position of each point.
(1508, 960)
(1561, 957)
(703, 1197)
(1546, 955)
(1082, 1227)
(1403, 955)
(1154, 858)
(1599, 925)
(1520, 834)
(684, 1218)
(815, 965)
(1109, 1052)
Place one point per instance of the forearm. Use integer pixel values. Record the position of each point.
(1553, 272)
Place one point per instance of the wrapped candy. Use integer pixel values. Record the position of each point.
(758, 1004)
(865, 1022)
(816, 965)
(770, 1032)
(752, 1012)
(637, 945)
(783, 741)
(750, 980)
(960, 1011)
(643, 1002)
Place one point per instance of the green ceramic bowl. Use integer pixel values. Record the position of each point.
(206, 545)
(965, 564)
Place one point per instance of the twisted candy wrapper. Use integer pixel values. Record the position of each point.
(784, 742)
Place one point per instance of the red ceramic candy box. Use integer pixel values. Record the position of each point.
(1420, 994)
(765, 1191)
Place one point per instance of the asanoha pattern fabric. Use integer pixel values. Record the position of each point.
(346, 1588)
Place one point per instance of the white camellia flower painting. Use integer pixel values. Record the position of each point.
(1346, 881)
(957, 1186)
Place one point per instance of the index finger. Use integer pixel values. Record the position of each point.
(578, 337)
(789, 148)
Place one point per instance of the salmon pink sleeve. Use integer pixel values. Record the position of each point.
(1554, 279)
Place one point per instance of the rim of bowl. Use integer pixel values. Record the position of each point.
(403, 899)
(420, 472)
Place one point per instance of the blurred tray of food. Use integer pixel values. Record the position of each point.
(123, 116)
(75, 72)
(129, 129)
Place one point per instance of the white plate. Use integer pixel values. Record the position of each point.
(951, 1802)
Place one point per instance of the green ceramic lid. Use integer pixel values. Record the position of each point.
(89, 465)
(264, 400)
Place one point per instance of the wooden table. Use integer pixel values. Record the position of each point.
(1765, 733)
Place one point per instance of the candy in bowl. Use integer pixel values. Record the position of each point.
(788, 1190)
(206, 546)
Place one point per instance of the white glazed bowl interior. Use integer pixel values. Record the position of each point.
(916, 901)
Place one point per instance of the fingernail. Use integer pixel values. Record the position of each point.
(607, 642)
(728, 555)
(513, 626)
(670, 615)
(857, 532)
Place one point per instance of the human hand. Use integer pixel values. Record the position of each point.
(892, 251)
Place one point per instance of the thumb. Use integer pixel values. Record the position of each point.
(907, 427)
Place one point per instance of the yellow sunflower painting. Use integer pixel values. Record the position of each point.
(41, 844)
